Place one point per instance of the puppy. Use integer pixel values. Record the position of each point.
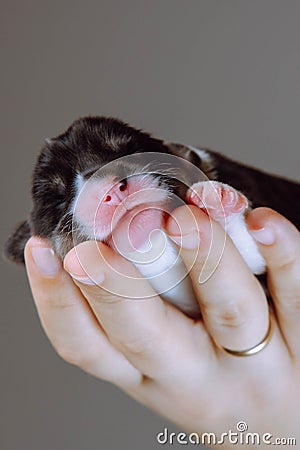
(103, 179)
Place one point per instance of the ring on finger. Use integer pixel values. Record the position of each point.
(256, 348)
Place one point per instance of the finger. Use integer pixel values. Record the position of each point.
(279, 242)
(68, 320)
(232, 301)
(153, 335)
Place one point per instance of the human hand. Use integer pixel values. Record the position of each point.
(164, 359)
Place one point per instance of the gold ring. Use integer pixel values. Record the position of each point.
(257, 348)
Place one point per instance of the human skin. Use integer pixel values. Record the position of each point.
(166, 360)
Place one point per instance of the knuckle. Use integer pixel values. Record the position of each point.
(76, 356)
(294, 301)
(141, 347)
(231, 318)
(284, 285)
(53, 303)
(228, 316)
(290, 300)
(288, 263)
(101, 295)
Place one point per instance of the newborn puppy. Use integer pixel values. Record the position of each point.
(104, 180)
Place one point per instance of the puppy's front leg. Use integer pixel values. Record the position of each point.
(228, 207)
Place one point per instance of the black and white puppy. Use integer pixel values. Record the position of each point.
(102, 179)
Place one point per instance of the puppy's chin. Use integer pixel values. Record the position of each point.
(135, 229)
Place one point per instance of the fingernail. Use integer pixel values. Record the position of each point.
(189, 241)
(45, 260)
(265, 235)
(87, 280)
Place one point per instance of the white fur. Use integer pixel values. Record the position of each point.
(166, 272)
(237, 230)
(234, 224)
(207, 162)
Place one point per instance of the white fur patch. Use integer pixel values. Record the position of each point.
(167, 273)
(207, 162)
(237, 230)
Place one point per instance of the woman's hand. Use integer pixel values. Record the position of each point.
(166, 360)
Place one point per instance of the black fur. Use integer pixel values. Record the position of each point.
(14, 246)
(91, 142)
(88, 144)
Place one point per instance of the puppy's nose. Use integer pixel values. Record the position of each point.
(117, 193)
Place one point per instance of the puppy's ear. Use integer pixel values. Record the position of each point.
(184, 152)
(14, 246)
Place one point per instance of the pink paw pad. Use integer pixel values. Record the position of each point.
(217, 199)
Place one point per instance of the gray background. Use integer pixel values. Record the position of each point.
(224, 74)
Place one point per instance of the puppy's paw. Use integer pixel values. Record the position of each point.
(227, 206)
(219, 200)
